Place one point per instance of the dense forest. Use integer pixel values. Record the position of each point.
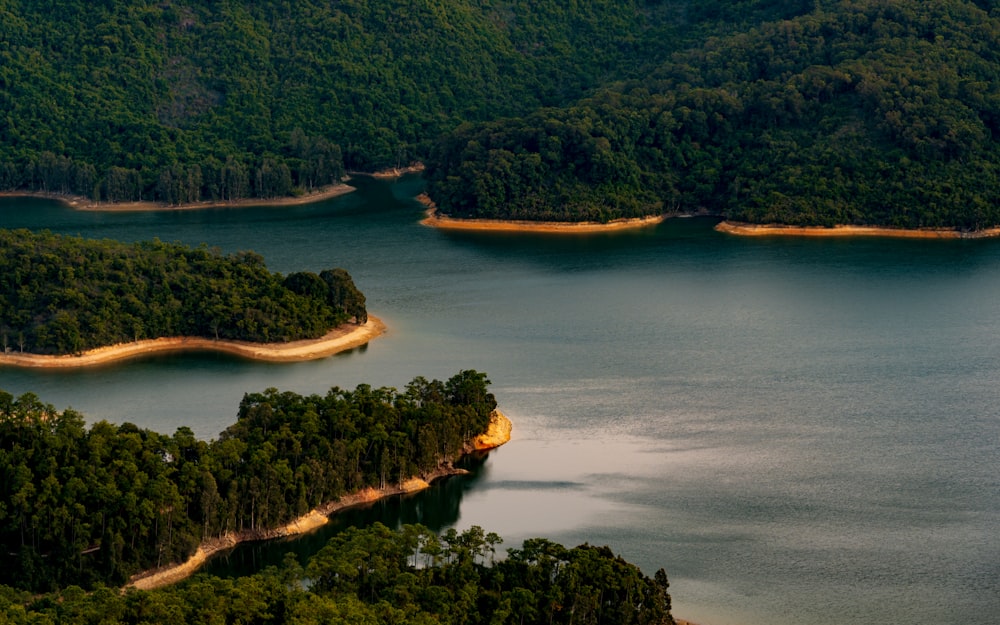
(813, 112)
(856, 112)
(86, 506)
(192, 99)
(61, 294)
(377, 576)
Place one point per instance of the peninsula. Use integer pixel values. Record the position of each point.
(81, 301)
(497, 433)
(160, 500)
(837, 115)
(435, 219)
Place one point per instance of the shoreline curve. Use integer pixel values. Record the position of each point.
(86, 204)
(759, 230)
(341, 338)
(435, 220)
(497, 433)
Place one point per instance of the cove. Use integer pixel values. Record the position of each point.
(800, 431)
(436, 508)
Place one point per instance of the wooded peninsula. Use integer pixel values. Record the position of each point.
(850, 113)
(87, 509)
(84, 506)
(378, 576)
(66, 295)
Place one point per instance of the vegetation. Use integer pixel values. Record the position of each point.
(811, 112)
(379, 576)
(193, 99)
(858, 112)
(63, 295)
(88, 506)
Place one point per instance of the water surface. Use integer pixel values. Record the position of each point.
(800, 431)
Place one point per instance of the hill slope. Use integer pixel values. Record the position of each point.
(880, 113)
(189, 99)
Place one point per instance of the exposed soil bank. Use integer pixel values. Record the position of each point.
(744, 229)
(497, 433)
(82, 203)
(393, 172)
(342, 338)
(436, 220)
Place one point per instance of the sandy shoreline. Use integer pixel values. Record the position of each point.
(497, 434)
(339, 339)
(435, 220)
(86, 204)
(752, 230)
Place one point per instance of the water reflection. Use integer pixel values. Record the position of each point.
(436, 508)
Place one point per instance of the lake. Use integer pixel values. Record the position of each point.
(800, 431)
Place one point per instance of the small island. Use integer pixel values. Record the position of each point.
(68, 301)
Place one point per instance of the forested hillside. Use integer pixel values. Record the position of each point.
(859, 112)
(376, 576)
(61, 295)
(798, 111)
(96, 505)
(190, 99)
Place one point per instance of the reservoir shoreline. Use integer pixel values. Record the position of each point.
(341, 338)
(752, 230)
(434, 219)
(79, 202)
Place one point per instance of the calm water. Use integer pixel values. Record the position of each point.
(802, 432)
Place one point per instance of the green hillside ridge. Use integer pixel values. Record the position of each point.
(186, 100)
(870, 113)
(814, 112)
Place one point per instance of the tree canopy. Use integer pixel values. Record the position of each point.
(855, 112)
(377, 576)
(196, 99)
(810, 112)
(95, 505)
(62, 294)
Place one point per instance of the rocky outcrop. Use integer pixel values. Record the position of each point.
(497, 433)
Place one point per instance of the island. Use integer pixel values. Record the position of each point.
(69, 301)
